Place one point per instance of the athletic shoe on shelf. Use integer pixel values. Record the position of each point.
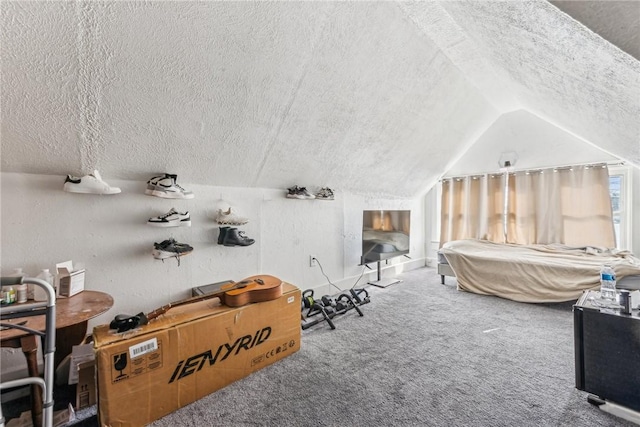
(296, 192)
(173, 218)
(88, 184)
(167, 188)
(151, 184)
(325, 193)
(230, 218)
(305, 193)
(170, 249)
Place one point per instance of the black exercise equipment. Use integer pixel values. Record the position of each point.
(329, 307)
(357, 296)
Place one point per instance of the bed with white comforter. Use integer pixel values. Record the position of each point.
(533, 273)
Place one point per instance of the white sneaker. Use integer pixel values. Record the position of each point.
(151, 184)
(168, 188)
(230, 218)
(89, 184)
(173, 218)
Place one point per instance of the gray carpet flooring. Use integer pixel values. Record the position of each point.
(424, 354)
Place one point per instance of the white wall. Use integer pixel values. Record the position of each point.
(43, 225)
(536, 142)
(432, 235)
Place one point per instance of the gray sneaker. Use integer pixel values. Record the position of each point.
(151, 184)
(305, 193)
(167, 188)
(325, 193)
(170, 249)
(296, 192)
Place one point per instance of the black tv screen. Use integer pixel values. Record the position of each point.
(385, 234)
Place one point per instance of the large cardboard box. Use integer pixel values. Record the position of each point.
(188, 353)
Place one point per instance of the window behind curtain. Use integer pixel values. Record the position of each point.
(562, 205)
(615, 184)
(472, 208)
(620, 193)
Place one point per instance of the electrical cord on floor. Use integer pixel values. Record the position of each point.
(360, 277)
(329, 280)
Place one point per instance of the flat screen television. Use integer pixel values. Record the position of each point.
(385, 234)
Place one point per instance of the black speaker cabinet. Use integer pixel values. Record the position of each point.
(607, 353)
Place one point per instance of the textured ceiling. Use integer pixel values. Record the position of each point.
(372, 97)
(559, 70)
(616, 21)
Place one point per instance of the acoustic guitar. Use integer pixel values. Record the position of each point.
(233, 294)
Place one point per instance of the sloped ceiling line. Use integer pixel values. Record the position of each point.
(268, 151)
(435, 23)
(88, 91)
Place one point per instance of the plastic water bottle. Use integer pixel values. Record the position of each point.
(40, 294)
(607, 283)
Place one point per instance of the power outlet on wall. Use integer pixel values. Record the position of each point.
(313, 262)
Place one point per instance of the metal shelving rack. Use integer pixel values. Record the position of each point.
(47, 308)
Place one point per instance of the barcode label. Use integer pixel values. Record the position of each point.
(143, 348)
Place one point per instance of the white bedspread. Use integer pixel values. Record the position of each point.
(533, 273)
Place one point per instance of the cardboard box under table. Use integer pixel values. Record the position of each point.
(188, 353)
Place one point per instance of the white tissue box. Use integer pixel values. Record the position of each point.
(70, 282)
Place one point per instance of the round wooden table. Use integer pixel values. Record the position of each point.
(72, 317)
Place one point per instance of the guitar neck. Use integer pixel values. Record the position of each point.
(162, 310)
(270, 288)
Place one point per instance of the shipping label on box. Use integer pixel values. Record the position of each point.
(182, 357)
(136, 360)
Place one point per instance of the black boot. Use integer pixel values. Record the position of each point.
(235, 237)
(223, 231)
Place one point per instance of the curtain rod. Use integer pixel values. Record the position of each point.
(562, 167)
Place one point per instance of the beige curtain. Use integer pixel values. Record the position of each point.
(472, 208)
(567, 205)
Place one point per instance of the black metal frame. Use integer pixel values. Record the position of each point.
(49, 338)
(329, 307)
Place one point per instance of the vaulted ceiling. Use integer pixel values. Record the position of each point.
(373, 97)
(617, 21)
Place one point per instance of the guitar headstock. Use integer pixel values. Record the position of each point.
(158, 312)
